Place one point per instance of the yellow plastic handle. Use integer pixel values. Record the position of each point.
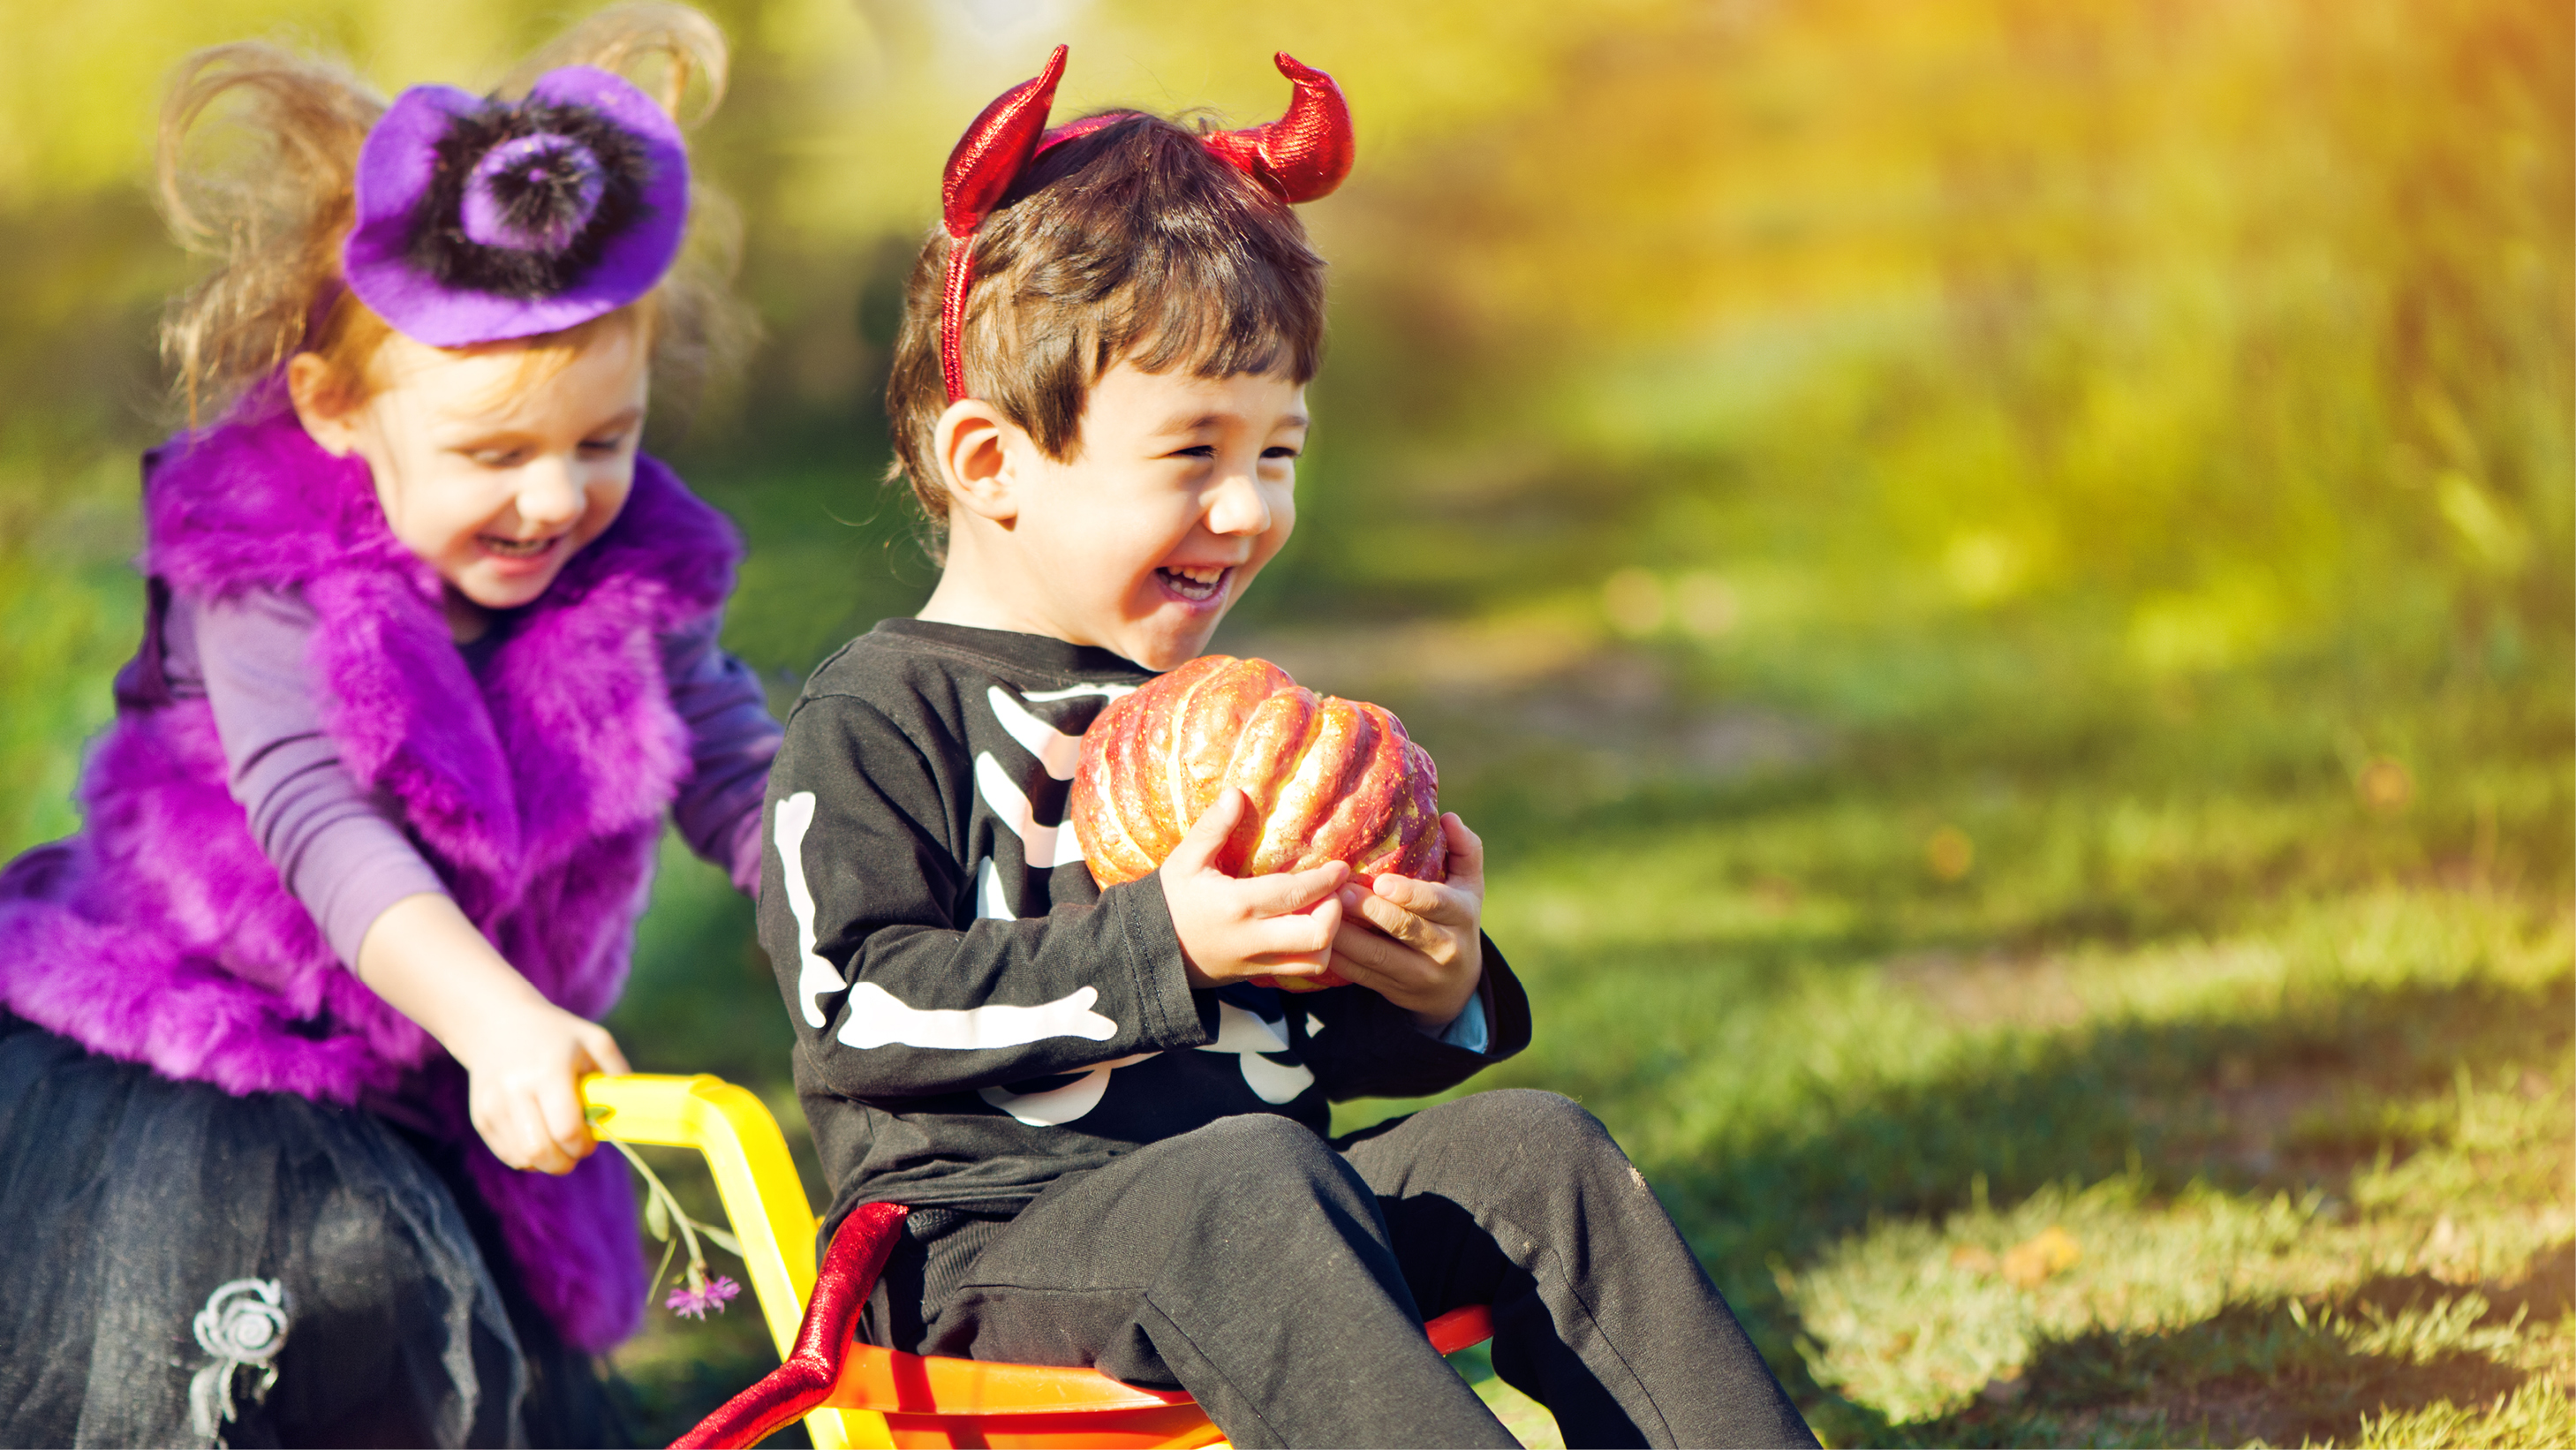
(762, 1196)
(755, 1178)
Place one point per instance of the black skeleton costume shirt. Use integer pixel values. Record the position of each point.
(974, 1015)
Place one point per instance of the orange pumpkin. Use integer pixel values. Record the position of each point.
(1329, 780)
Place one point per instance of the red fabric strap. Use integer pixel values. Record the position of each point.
(849, 1271)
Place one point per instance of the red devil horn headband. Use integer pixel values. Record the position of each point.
(1299, 157)
(1305, 153)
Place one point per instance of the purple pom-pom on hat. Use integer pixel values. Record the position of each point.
(482, 220)
(556, 168)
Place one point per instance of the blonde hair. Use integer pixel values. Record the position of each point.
(273, 206)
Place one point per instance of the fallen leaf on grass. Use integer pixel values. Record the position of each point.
(1973, 1258)
(2051, 1251)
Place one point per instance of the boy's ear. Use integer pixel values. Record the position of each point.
(979, 450)
(320, 404)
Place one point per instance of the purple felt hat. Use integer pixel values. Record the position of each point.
(480, 220)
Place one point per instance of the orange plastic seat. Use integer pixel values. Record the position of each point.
(852, 1394)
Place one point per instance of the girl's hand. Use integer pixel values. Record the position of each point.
(1417, 943)
(524, 1065)
(524, 1057)
(1279, 926)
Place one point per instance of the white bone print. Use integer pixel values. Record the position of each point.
(1240, 1032)
(1058, 1106)
(1045, 846)
(1247, 1035)
(815, 977)
(1058, 752)
(879, 1019)
(1055, 750)
(1070, 692)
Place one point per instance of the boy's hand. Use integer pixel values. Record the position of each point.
(524, 1066)
(1416, 943)
(1279, 926)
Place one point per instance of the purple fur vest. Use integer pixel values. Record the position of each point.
(162, 935)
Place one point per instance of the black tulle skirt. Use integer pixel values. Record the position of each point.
(179, 1266)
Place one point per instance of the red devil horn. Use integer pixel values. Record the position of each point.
(990, 156)
(1305, 153)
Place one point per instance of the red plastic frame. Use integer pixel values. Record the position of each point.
(928, 1400)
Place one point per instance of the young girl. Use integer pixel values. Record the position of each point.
(430, 654)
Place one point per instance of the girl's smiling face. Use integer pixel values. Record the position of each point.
(491, 466)
(1178, 490)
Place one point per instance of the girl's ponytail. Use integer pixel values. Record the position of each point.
(271, 212)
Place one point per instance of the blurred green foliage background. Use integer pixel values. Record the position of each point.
(2000, 479)
(2223, 332)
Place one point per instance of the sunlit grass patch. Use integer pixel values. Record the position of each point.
(1914, 1319)
(2205, 1097)
(1730, 1045)
(2537, 1413)
(2445, 1276)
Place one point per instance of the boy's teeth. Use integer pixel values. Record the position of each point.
(1195, 583)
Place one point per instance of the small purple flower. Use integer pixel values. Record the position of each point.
(694, 1303)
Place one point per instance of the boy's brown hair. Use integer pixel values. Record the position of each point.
(1129, 240)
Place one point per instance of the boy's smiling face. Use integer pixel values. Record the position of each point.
(1175, 494)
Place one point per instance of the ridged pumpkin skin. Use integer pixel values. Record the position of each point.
(1329, 780)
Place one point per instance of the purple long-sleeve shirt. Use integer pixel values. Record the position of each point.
(339, 846)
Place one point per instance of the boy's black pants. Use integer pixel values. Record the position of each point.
(1283, 1281)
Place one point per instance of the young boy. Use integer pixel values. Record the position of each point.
(1112, 1141)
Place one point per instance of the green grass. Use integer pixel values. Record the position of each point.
(2279, 1056)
